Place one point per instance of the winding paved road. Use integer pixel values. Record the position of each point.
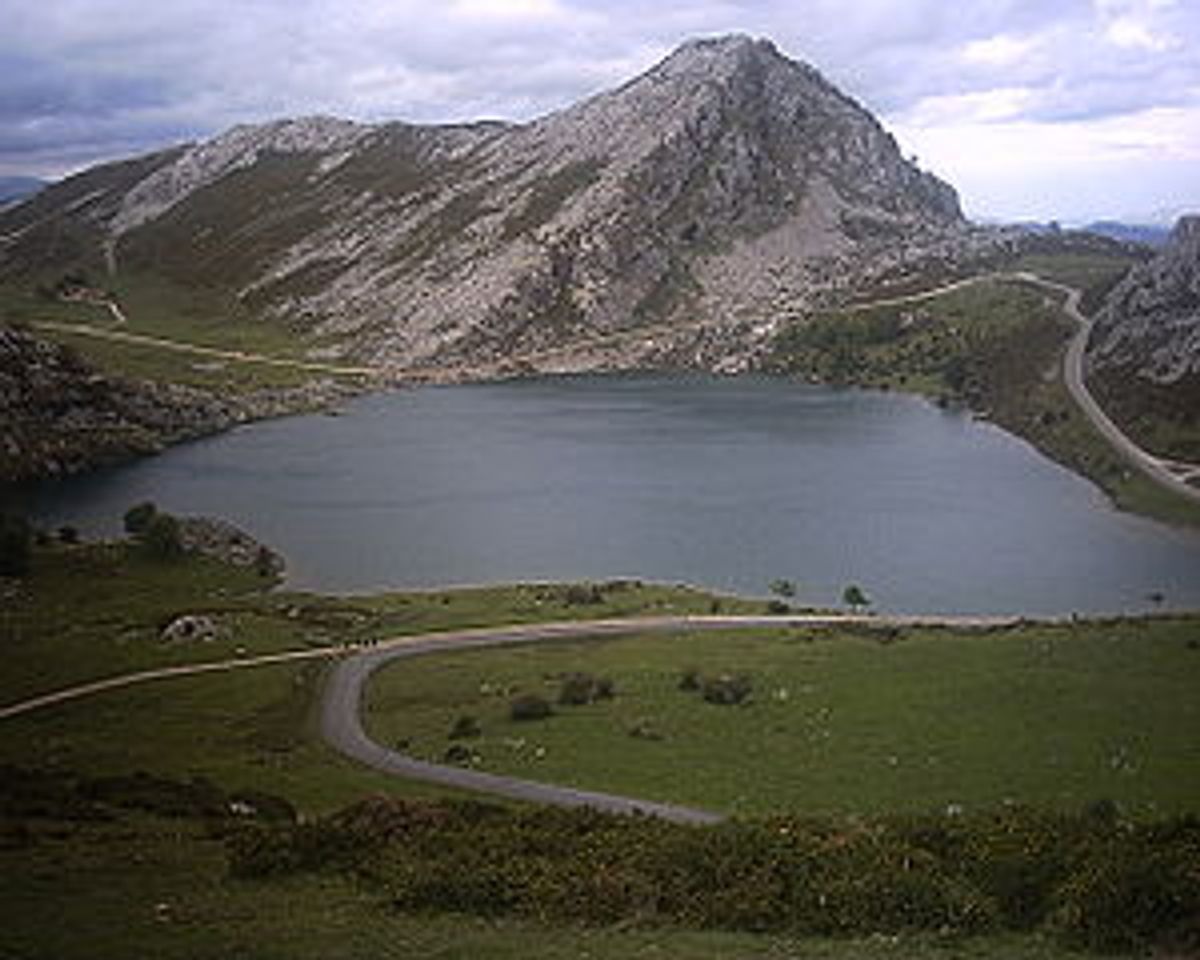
(1156, 468)
(1167, 473)
(341, 715)
(341, 708)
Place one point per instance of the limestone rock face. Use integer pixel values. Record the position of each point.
(1143, 358)
(671, 222)
(1150, 324)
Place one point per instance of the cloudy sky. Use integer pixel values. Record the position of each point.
(1032, 108)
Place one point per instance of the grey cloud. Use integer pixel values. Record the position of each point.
(86, 73)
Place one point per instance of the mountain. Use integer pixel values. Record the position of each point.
(670, 222)
(1144, 353)
(1150, 235)
(14, 189)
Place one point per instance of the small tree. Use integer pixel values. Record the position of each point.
(137, 518)
(854, 597)
(16, 545)
(783, 588)
(162, 539)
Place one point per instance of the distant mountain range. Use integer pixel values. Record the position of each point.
(1146, 234)
(669, 222)
(13, 189)
(1150, 235)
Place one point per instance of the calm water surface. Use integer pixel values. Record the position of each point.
(728, 483)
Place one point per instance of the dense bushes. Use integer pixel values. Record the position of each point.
(1096, 882)
(62, 795)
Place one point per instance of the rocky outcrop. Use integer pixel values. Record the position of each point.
(59, 415)
(672, 222)
(1150, 324)
(229, 544)
(1144, 354)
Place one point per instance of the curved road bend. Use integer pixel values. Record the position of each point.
(341, 708)
(341, 714)
(1153, 467)
(1156, 468)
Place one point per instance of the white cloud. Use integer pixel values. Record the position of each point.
(506, 9)
(1001, 50)
(1073, 171)
(1131, 33)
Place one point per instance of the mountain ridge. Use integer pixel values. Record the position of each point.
(721, 190)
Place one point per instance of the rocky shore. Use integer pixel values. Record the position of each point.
(59, 415)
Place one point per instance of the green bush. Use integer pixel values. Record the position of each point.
(465, 727)
(530, 706)
(581, 688)
(162, 539)
(1102, 885)
(727, 689)
(137, 518)
(1136, 889)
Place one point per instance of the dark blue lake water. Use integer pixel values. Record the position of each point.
(728, 483)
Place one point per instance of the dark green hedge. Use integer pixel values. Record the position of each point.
(1092, 879)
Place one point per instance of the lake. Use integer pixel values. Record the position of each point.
(727, 483)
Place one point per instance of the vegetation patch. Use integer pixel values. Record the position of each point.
(1095, 881)
(994, 347)
(852, 720)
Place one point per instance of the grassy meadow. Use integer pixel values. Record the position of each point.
(839, 722)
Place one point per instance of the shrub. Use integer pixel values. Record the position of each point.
(137, 518)
(1137, 889)
(16, 545)
(458, 754)
(726, 690)
(162, 539)
(530, 706)
(465, 727)
(778, 608)
(689, 679)
(68, 535)
(583, 594)
(582, 688)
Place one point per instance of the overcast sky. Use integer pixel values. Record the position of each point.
(1072, 109)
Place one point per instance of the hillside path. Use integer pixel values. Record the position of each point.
(179, 346)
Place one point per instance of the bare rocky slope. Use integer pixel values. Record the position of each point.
(1144, 354)
(673, 222)
(58, 415)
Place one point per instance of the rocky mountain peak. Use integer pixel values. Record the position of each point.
(725, 188)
